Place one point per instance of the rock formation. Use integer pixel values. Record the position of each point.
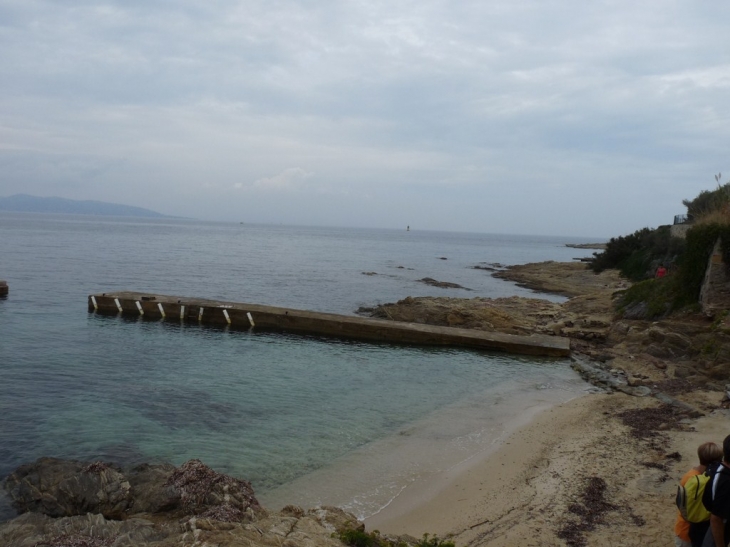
(75, 504)
(441, 284)
(62, 488)
(685, 346)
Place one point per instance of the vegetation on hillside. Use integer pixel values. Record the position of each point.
(708, 202)
(637, 256)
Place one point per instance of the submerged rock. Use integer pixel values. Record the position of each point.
(441, 284)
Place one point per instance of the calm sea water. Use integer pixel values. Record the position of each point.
(271, 408)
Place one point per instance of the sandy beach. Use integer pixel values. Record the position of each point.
(521, 493)
(411, 464)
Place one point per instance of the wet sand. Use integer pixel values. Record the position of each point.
(409, 465)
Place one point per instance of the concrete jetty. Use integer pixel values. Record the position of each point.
(254, 316)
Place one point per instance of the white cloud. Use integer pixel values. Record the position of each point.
(289, 179)
(715, 77)
(412, 104)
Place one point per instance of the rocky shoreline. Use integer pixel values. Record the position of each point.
(668, 380)
(77, 504)
(667, 358)
(665, 393)
(686, 346)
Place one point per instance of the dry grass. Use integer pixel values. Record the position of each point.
(721, 216)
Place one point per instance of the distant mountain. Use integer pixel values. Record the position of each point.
(23, 203)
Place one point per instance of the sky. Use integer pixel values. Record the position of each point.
(524, 117)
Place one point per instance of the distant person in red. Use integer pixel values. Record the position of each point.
(661, 271)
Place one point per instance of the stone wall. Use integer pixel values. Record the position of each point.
(715, 292)
(679, 230)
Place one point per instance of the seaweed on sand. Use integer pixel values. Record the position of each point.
(647, 422)
(591, 512)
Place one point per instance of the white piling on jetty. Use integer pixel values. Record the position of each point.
(250, 319)
(139, 307)
(228, 318)
(162, 310)
(182, 313)
(93, 301)
(119, 306)
(200, 314)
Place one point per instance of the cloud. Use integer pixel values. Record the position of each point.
(412, 104)
(293, 178)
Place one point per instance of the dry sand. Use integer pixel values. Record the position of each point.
(577, 474)
(521, 494)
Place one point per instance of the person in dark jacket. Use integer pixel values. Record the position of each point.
(716, 499)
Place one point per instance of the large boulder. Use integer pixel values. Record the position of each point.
(200, 489)
(60, 488)
(151, 491)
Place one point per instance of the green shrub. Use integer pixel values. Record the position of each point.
(654, 298)
(637, 255)
(650, 299)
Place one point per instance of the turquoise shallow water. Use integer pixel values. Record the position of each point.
(270, 408)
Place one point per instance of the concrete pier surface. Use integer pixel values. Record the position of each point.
(245, 316)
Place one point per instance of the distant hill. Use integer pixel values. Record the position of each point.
(23, 203)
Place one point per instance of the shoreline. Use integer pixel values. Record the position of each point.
(438, 502)
(375, 478)
(464, 497)
(629, 446)
(530, 483)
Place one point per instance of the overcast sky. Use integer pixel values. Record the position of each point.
(529, 117)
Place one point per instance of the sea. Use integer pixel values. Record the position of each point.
(306, 419)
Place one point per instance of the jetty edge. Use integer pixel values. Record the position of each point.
(241, 315)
